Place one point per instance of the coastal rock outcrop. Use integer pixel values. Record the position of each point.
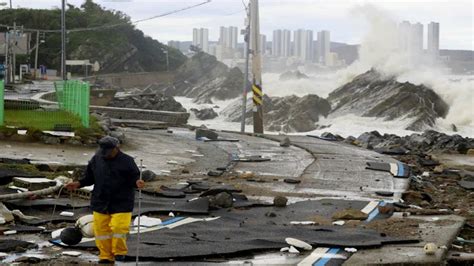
(374, 95)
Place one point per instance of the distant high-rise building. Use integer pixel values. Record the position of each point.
(277, 42)
(298, 40)
(281, 44)
(263, 44)
(433, 38)
(201, 39)
(303, 44)
(410, 37)
(286, 43)
(228, 37)
(324, 47)
(233, 37)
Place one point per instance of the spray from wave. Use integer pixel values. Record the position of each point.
(379, 49)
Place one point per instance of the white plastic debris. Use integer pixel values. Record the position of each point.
(425, 174)
(350, 250)
(197, 155)
(293, 250)
(302, 222)
(66, 214)
(146, 221)
(56, 233)
(430, 248)
(298, 243)
(338, 222)
(285, 249)
(21, 132)
(86, 224)
(71, 253)
(172, 162)
(191, 151)
(3, 255)
(165, 171)
(171, 214)
(2, 220)
(9, 232)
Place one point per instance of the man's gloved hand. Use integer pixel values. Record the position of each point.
(72, 185)
(140, 184)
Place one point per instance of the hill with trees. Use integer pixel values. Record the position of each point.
(115, 42)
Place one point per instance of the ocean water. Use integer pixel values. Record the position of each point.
(456, 90)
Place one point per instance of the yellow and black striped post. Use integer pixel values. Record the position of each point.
(258, 108)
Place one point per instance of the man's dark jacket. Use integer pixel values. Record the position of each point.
(114, 183)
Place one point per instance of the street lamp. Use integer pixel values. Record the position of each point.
(167, 59)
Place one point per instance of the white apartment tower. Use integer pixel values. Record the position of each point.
(433, 38)
(324, 47)
(281, 43)
(201, 39)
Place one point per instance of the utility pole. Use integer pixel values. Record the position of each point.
(246, 33)
(63, 40)
(256, 68)
(36, 54)
(7, 50)
(13, 70)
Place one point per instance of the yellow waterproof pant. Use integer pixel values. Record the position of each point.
(111, 233)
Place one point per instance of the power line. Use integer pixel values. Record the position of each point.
(117, 24)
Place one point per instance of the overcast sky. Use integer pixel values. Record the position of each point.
(455, 16)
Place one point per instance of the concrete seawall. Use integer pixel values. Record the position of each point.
(131, 80)
(172, 118)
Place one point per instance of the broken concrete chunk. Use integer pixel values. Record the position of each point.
(280, 201)
(221, 200)
(215, 173)
(350, 214)
(9, 232)
(24, 218)
(293, 250)
(338, 223)
(148, 175)
(5, 213)
(298, 243)
(285, 142)
(9, 245)
(66, 214)
(71, 253)
(206, 133)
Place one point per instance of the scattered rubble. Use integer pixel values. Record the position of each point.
(204, 114)
(350, 214)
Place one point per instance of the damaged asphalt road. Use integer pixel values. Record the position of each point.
(231, 216)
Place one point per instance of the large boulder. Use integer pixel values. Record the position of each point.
(204, 114)
(287, 114)
(289, 75)
(203, 78)
(373, 94)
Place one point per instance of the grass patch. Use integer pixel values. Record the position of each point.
(42, 120)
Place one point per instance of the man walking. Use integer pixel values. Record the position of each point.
(115, 177)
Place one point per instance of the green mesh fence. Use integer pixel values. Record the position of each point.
(73, 97)
(2, 112)
(69, 113)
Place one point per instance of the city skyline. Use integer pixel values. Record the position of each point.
(336, 16)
